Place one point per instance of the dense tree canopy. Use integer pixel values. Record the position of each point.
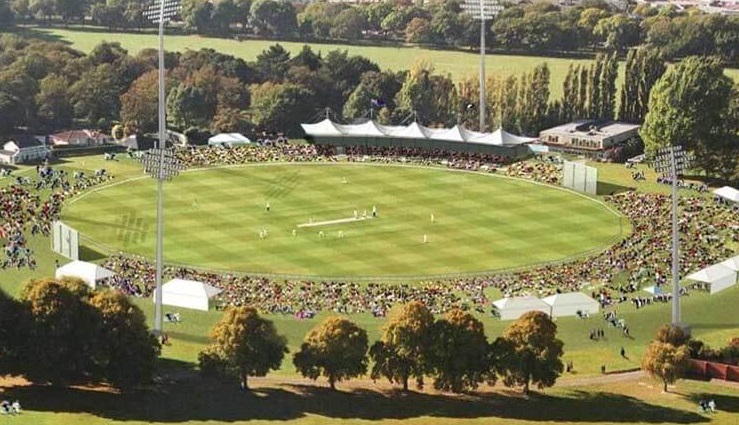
(336, 349)
(530, 352)
(244, 344)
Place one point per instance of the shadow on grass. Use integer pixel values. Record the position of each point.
(90, 254)
(194, 399)
(724, 403)
(604, 188)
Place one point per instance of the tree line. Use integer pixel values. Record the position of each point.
(61, 332)
(47, 86)
(541, 27)
(452, 350)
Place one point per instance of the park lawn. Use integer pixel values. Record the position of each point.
(459, 64)
(196, 401)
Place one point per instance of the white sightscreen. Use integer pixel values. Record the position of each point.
(580, 177)
(65, 240)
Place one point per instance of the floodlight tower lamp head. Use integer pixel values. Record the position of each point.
(162, 11)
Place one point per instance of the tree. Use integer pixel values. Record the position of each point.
(666, 361)
(690, 106)
(187, 107)
(96, 96)
(54, 109)
(419, 30)
(281, 107)
(273, 63)
(244, 344)
(459, 355)
(644, 67)
(13, 333)
(197, 14)
(530, 352)
(403, 350)
(619, 32)
(672, 334)
(273, 18)
(336, 349)
(62, 340)
(139, 103)
(349, 24)
(129, 350)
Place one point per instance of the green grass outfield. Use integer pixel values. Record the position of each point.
(214, 218)
(458, 64)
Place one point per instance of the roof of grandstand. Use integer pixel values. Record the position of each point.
(458, 133)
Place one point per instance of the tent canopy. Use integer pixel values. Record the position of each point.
(728, 193)
(89, 272)
(414, 131)
(511, 308)
(718, 276)
(230, 139)
(570, 303)
(732, 263)
(188, 294)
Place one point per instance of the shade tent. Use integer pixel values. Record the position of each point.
(718, 276)
(728, 193)
(570, 303)
(89, 272)
(188, 294)
(229, 139)
(732, 263)
(511, 308)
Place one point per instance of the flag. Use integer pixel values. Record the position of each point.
(377, 102)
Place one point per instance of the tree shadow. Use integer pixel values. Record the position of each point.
(724, 403)
(195, 399)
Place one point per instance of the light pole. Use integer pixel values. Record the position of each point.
(482, 10)
(161, 163)
(672, 161)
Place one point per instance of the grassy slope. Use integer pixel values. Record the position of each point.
(710, 317)
(482, 222)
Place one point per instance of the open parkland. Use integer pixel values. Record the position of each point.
(583, 396)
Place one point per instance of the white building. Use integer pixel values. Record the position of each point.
(23, 149)
(588, 137)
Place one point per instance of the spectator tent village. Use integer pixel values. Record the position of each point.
(414, 135)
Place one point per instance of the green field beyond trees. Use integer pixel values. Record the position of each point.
(460, 65)
(215, 216)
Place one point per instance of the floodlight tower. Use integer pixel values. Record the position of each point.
(483, 10)
(672, 161)
(161, 163)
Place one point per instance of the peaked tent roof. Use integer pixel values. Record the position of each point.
(712, 273)
(528, 302)
(188, 294)
(414, 131)
(728, 192)
(229, 138)
(570, 298)
(323, 128)
(89, 272)
(732, 263)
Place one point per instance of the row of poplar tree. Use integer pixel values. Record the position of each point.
(453, 350)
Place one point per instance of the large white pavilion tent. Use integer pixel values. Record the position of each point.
(188, 294)
(732, 263)
(718, 276)
(511, 308)
(570, 303)
(728, 193)
(90, 273)
(229, 139)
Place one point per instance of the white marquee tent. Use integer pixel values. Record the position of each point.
(229, 139)
(89, 272)
(728, 193)
(414, 131)
(718, 276)
(188, 294)
(570, 303)
(511, 308)
(732, 263)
